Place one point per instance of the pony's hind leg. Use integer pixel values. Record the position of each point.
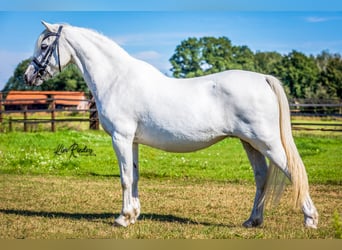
(260, 168)
(278, 159)
(310, 213)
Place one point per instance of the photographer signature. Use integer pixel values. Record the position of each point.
(74, 150)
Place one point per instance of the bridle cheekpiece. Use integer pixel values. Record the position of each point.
(40, 65)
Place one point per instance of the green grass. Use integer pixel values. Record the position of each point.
(33, 153)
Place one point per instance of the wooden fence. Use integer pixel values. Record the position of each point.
(10, 117)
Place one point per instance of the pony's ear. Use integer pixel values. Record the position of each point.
(49, 27)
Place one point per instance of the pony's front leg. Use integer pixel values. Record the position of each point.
(123, 149)
(136, 202)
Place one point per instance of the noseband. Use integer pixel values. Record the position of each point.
(40, 66)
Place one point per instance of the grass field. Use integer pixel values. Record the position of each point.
(52, 207)
(50, 193)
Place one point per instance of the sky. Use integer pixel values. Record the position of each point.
(151, 31)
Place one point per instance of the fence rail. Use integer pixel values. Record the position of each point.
(333, 110)
(6, 118)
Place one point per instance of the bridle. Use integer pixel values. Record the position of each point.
(40, 65)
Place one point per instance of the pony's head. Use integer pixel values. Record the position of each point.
(50, 55)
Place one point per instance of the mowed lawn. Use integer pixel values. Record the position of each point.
(66, 185)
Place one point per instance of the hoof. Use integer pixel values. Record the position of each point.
(311, 223)
(252, 223)
(121, 221)
(311, 226)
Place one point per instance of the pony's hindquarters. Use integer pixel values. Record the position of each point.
(294, 164)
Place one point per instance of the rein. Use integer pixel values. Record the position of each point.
(40, 66)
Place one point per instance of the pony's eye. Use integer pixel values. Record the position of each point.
(44, 46)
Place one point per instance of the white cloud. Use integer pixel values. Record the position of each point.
(317, 19)
(9, 60)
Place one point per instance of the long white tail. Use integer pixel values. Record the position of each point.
(295, 164)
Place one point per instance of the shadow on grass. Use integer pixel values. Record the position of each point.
(106, 216)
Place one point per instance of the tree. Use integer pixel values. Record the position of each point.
(331, 75)
(299, 73)
(316, 77)
(243, 58)
(186, 62)
(217, 54)
(323, 59)
(207, 55)
(265, 62)
(69, 79)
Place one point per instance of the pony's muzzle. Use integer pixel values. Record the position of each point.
(31, 75)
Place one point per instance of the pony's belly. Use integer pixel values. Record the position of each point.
(181, 147)
(179, 143)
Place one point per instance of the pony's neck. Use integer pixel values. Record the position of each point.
(100, 60)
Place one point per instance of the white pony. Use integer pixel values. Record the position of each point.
(137, 104)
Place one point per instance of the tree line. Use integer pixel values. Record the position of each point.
(309, 77)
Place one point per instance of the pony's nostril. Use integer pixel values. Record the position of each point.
(25, 78)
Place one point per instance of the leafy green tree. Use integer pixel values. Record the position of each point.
(265, 62)
(331, 76)
(70, 79)
(187, 60)
(322, 60)
(299, 73)
(207, 55)
(217, 54)
(243, 58)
